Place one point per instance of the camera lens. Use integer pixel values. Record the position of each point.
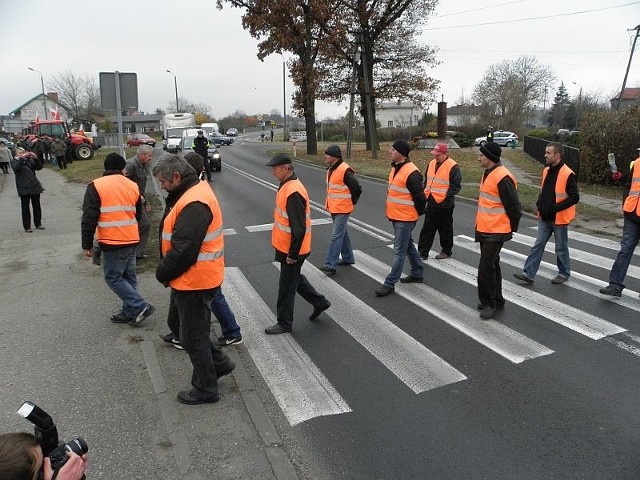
(78, 446)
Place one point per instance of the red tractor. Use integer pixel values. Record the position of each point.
(83, 147)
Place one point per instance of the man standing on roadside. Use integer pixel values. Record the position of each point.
(405, 203)
(343, 192)
(556, 209)
(201, 146)
(291, 238)
(110, 210)
(137, 170)
(443, 181)
(497, 217)
(192, 264)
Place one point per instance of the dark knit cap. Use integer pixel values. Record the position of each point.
(402, 147)
(334, 151)
(492, 151)
(279, 159)
(114, 162)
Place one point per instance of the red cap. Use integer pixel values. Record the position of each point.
(440, 148)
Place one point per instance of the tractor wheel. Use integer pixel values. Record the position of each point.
(83, 152)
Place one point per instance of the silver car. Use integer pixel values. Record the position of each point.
(501, 137)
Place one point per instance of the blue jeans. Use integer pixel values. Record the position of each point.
(561, 237)
(630, 238)
(120, 275)
(340, 244)
(403, 246)
(220, 308)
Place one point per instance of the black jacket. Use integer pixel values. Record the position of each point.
(26, 181)
(200, 145)
(188, 234)
(91, 214)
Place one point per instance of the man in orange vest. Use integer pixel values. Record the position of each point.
(343, 192)
(405, 203)
(443, 181)
(192, 264)
(556, 209)
(498, 215)
(291, 238)
(630, 230)
(111, 209)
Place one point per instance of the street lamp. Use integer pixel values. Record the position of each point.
(579, 105)
(175, 83)
(44, 98)
(284, 98)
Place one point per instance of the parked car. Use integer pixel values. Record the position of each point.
(138, 139)
(220, 139)
(232, 132)
(501, 137)
(212, 152)
(10, 145)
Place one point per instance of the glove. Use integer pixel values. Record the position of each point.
(616, 176)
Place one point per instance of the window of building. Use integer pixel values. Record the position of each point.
(390, 123)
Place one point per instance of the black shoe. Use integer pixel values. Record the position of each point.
(383, 291)
(276, 329)
(559, 280)
(172, 339)
(487, 312)
(95, 258)
(611, 290)
(39, 227)
(342, 262)
(424, 256)
(499, 306)
(144, 313)
(120, 318)
(523, 278)
(318, 310)
(226, 341)
(442, 255)
(188, 397)
(411, 279)
(28, 230)
(327, 270)
(225, 371)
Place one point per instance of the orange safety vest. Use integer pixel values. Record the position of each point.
(437, 182)
(338, 194)
(491, 216)
(117, 224)
(208, 271)
(631, 203)
(565, 216)
(400, 204)
(281, 232)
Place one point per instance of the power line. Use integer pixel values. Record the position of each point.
(498, 22)
(478, 9)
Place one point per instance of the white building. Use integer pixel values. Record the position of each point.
(398, 114)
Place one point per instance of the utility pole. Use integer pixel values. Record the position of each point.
(624, 82)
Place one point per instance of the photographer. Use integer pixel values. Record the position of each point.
(21, 458)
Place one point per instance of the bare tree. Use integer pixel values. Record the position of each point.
(70, 89)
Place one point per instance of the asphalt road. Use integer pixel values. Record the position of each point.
(547, 390)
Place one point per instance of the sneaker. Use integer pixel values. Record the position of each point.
(523, 278)
(95, 257)
(442, 256)
(144, 313)
(611, 290)
(328, 270)
(120, 318)
(226, 341)
(172, 339)
(411, 279)
(559, 279)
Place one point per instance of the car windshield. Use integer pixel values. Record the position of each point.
(174, 132)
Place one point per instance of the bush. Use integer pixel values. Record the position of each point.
(541, 133)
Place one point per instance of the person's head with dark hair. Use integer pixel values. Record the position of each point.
(20, 456)
(196, 161)
(553, 153)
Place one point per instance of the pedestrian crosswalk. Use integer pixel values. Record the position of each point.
(304, 392)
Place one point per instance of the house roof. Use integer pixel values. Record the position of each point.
(396, 105)
(464, 110)
(37, 97)
(632, 93)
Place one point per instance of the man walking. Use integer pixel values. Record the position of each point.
(343, 192)
(291, 238)
(192, 264)
(201, 146)
(556, 209)
(110, 210)
(405, 203)
(137, 170)
(498, 215)
(443, 181)
(58, 150)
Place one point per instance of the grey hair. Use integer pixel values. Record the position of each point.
(170, 163)
(144, 149)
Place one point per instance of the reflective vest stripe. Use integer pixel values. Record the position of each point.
(120, 223)
(118, 208)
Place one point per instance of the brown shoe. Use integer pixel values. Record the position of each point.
(442, 256)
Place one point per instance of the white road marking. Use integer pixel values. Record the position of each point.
(501, 339)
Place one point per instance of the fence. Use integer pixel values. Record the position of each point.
(534, 147)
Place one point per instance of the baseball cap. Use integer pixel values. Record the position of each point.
(440, 148)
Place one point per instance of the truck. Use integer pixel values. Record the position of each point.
(83, 146)
(209, 128)
(173, 126)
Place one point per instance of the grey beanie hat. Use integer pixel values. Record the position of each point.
(334, 151)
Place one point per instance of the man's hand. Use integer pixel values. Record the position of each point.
(290, 261)
(73, 469)
(616, 176)
(88, 252)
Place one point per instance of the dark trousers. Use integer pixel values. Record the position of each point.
(292, 281)
(144, 228)
(26, 211)
(490, 274)
(62, 161)
(189, 319)
(207, 164)
(436, 220)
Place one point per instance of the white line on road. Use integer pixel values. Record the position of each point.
(501, 339)
(299, 387)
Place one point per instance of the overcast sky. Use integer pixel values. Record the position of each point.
(215, 59)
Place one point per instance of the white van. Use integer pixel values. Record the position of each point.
(209, 128)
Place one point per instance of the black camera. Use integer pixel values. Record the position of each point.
(47, 434)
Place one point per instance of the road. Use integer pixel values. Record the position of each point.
(414, 385)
